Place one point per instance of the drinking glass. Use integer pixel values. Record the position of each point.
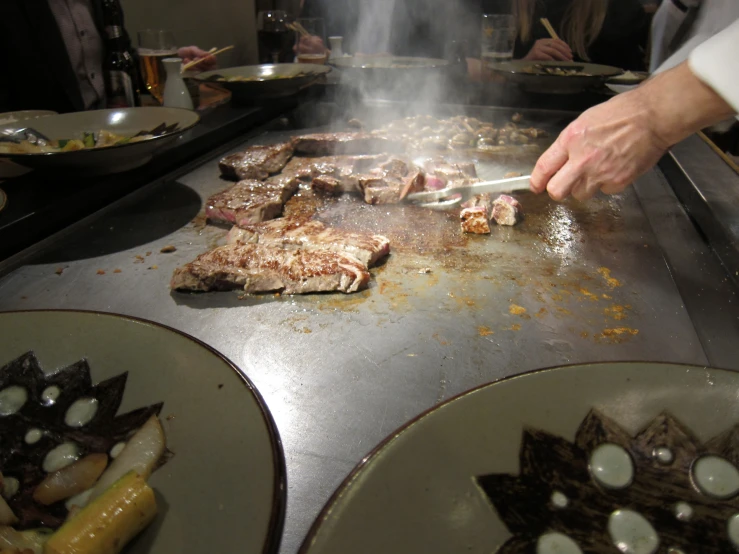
(310, 40)
(273, 34)
(498, 37)
(154, 46)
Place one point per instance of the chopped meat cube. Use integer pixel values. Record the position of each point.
(256, 162)
(434, 183)
(415, 182)
(297, 233)
(506, 210)
(476, 213)
(258, 268)
(327, 185)
(345, 143)
(251, 201)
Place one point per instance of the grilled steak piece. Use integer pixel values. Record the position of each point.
(256, 162)
(258, 268)
(450, 171)
(327, 185)
(251, 201)
(476, 213)
(506, 210)
(345, 143)
(313, 235)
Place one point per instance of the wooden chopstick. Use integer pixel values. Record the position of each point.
(549, 28)
(298, 28)
(211, 52)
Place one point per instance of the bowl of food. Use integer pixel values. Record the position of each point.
(253, 82)
(554, 77)
(121, 432)
(95, 142)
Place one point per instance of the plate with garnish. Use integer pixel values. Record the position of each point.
(613, 457)
(121, 433)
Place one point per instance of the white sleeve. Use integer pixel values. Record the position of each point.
(716, 63)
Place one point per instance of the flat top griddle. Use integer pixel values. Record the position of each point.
(575, 282)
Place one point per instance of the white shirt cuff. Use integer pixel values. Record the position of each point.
(716, 63)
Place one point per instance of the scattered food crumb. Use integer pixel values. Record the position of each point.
(167, 249)
(619, 334)
(139, 259)
(516, 118)
(148, 253)
(154, 267)
(442, 341)
(220, 386)
(306, 330)
(424, 270)
(515, 309)
(59, 270)
(485, 331)
(587, 294)
(542, 312)
(514, 327)
(116, 270)
(170, 417)
(100, 272)
(617, 312)
(277, 295)
(584, 334)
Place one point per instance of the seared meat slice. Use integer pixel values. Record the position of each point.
(395, 168)
(389, 190)
(450, 171)
(258, 268)
(506, 210)
(256, 162)
(476, 213)
(251, 201)
(313, 235)
(345, 143)
(333, 166)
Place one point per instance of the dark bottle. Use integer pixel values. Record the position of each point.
(119, 67)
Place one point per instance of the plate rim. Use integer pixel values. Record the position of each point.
(31, 155)
(305, 546)
(496, 66)
(279, 490)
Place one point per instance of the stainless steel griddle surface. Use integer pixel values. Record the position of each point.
(573, 283)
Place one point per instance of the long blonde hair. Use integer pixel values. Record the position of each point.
(580, 26)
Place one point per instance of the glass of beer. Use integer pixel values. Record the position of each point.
(498, 37)
(310, 40)
(154, 46)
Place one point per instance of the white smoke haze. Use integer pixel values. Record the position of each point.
(422, 28)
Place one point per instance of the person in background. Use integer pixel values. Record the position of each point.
(612, 144)
(609, 32)
(54, 53)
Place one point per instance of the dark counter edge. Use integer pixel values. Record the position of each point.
(708, 188)
(220, 130)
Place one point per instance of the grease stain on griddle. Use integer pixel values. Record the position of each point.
(612, 282)
(515, 309)
(485, 331)
(617, 311)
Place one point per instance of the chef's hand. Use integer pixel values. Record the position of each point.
(605, 148)
(610, 145)
(549, 50)
(190, 53)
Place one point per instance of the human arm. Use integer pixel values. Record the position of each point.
(610, 145)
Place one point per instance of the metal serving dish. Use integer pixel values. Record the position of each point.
(535, 76)
(106, 159)
(271, 80)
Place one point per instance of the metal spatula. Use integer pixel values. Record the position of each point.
(434, 199)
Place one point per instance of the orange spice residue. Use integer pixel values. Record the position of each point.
(515, 309)
(587, 294)
(116, 271)
(514, 327)
(564, 311)
(100, 272)
(485, 331)
(617, 335)
(617, 312)
(611, 281)
(607, 297)
(542, 312)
